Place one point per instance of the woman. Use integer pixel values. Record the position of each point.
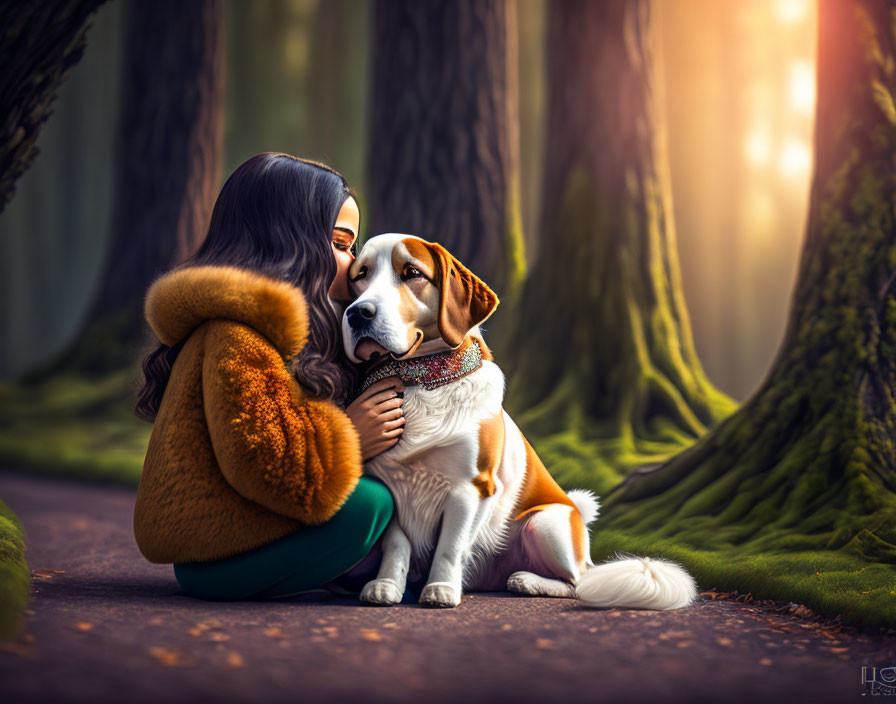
(252, 481)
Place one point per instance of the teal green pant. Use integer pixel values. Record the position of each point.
(303, 560)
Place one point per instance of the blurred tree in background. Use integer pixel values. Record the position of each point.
(444, 131)
(297, 82)
(167, 165)
(604, 376)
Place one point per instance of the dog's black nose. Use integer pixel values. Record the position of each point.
(360, 314)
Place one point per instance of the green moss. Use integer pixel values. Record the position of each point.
(830, 582)
(73, 425)
(15, 579)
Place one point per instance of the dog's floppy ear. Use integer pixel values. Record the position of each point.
(464, 299)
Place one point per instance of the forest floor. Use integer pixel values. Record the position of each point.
(105, 625)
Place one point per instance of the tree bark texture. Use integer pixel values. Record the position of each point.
(444, 141)
(605, 351)
(810, 461)
(169, 143)
(41, 42)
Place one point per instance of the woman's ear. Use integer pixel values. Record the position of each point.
(464, 299)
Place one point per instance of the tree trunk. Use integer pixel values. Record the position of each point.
(606, 377)
(809, 463)
(444, 140)
(169, 144)
(41, 43)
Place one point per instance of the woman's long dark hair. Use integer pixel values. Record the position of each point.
(275, 216)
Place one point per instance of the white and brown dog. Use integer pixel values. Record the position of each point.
(475, 507)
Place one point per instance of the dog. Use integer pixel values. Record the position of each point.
(476, 509)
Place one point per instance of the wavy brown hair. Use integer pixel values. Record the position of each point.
(275, 216)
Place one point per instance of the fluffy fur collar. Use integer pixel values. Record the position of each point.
(180, 301)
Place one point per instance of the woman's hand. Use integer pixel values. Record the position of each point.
(378, 417)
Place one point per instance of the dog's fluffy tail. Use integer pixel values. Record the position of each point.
(636, 583)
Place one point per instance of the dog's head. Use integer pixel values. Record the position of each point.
(413, 298)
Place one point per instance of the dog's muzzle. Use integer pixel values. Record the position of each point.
(359, 315)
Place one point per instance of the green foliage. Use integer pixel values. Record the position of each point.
(70, 424)
(15, 579)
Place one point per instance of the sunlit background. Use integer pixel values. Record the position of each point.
(740, 93)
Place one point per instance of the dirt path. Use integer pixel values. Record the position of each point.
(105, 626)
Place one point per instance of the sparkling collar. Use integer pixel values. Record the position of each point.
(432, 370)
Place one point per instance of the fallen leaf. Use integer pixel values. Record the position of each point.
(765, 661)
(371, 634)
(684, 644)
(14, 648)
(669, 635)
(274, 632)
(839, 650)
(195, 631)
(84, 626)
(506, 627)
(725, 642)
(156, 621)
(391, 624)
(544, 643)
(169, 658)
(58, 571)
(219, 637)
(235, 660)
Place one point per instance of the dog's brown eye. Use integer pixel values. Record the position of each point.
(362, 272)
(410, 272)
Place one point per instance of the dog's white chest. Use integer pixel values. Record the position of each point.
(438, 449)
(419, 495)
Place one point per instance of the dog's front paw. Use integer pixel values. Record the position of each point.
(381, 592)
(440, 595)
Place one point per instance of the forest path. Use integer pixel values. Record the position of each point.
(104, 625)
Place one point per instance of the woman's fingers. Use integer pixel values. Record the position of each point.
(391, 382)
(380, 398)
(386, 406)
(394, 423)
(390, 414)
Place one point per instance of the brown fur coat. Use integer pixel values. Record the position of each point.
(239, 454)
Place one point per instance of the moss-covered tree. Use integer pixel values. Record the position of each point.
(40, 43)
(795, 495)
(606, 377)
(444, 133)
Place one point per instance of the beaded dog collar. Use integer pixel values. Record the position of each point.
(432, 370)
